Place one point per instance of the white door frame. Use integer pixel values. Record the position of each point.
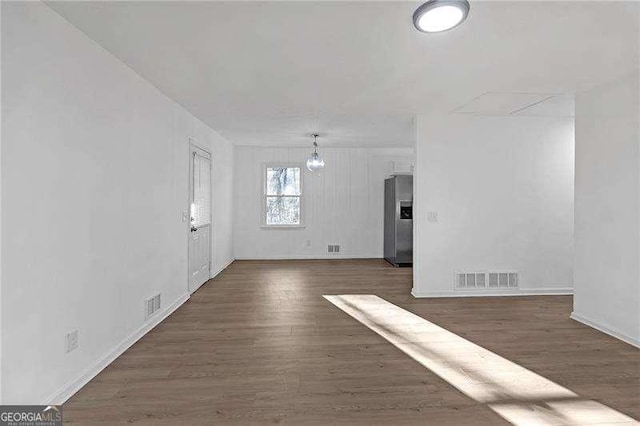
(193, 144)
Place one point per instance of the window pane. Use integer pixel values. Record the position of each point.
(283, 181)
(283, 210)
(201, 207)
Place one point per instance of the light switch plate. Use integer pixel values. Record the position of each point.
(432, 216)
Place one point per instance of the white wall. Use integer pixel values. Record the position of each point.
(1, 137)
(607, 213)
(94, 182)
(343, 204)
(502, 188)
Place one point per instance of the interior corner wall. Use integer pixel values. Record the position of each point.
(502, 189)
(607, 212)
(94, 179)
(223, 187)
(343, 204)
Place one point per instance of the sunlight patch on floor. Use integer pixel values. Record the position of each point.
(520, 396)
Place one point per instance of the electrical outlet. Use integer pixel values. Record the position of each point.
(71, 342)
(308, 243)
(432, 216)
(185, 216)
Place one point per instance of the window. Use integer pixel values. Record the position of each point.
(282, 196)
(201, 190)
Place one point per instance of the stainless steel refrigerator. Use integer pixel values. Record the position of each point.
(398, 220)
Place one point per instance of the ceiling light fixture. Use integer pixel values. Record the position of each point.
(315, 163)
(435, 16)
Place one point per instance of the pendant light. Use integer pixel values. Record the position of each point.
(436, 16)
(315, 163)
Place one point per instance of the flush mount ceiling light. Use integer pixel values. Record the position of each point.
(315, 163)
(435, 16)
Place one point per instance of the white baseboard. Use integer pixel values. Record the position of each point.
(64, 393)
(605, 329)
(225, 266)
(61, 395)
(311, 257)
(496, 293)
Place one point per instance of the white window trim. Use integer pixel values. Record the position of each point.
(263, 196)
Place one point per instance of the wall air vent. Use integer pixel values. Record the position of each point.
(486, 280)
(470, 280)
(152, 305)
(333, 249)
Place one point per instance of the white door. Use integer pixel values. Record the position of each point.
(200, 206)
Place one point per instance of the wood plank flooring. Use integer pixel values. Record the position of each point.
(260, 345)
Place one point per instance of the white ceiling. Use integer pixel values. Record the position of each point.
(557, 106)
(270, 73)
(502, 103)
(520, 104)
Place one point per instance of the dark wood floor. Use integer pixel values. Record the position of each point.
(259, 344)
